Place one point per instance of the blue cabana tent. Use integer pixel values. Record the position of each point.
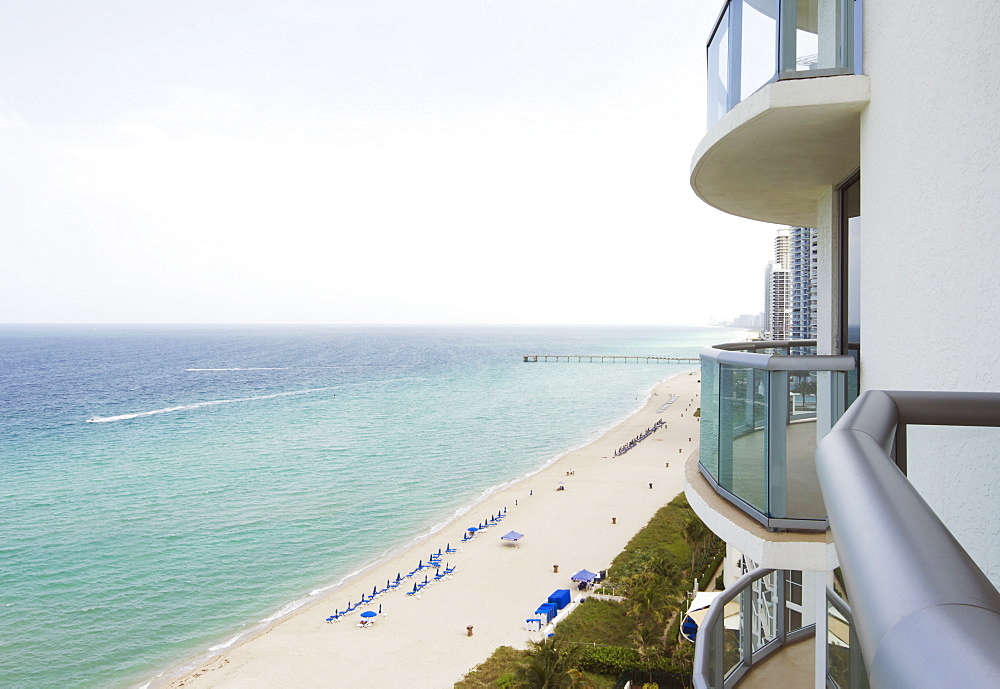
(560, 597)
(549, 610)
(584, 575)
(512, 536)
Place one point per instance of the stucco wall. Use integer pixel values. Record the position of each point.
(930, 152)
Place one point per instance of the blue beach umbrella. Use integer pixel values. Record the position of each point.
(472, 529)
(415, 589)
(374, 591)
(369, 613)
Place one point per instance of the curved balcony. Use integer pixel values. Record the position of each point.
(750, 622)
(778, 137)
(759, 417)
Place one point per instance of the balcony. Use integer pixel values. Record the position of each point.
(751, 622)
(778, 137)
(755, 42)
(759, 415)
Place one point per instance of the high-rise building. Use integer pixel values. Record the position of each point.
(778, 289)
(803, 254)
(790, 286)
(854, 481)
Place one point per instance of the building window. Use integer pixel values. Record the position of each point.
(850, 279)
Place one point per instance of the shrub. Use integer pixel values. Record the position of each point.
(608, 660)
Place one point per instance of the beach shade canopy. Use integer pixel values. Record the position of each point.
(473, 529)
(369, 613)
(512, 536)
(696, 613)
(584, 575)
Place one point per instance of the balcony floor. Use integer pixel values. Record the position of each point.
(792, 667)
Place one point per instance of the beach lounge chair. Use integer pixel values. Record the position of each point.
(449, 549)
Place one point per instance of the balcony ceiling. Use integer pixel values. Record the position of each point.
(772, 156)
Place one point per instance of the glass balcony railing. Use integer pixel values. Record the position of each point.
(748, 622)
(845, 666)
(755, 42)
(761, 403)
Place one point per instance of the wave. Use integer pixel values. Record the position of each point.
(198, 405)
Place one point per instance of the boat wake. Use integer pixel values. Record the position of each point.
(247, 368)
(198, 405)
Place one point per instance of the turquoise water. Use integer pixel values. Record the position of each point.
(166, 489)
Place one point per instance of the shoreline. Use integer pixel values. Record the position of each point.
(293, 646)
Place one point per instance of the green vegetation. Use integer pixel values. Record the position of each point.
(495, 671)
(601, 622)
(601, 639)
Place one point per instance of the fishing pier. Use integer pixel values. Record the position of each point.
(612, 358)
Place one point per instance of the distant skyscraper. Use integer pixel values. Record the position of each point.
(790, 286)
(777, 297)
(804, 257)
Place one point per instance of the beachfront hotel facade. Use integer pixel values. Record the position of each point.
(854, 475)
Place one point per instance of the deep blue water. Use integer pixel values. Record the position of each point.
(167, 488)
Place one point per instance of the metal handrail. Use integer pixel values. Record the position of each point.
(711, 622)
(926, 615)
(736, 354)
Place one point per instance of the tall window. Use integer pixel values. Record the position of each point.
(850, 278)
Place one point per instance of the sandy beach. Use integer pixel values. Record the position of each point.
(422, 641)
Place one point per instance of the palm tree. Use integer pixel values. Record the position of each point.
(645, 603)
(548, 664)
(649, 644)
(697, 535)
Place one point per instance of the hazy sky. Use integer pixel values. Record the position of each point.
(369, 161)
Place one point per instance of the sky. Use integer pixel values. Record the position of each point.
(370, 161)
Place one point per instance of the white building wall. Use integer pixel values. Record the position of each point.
(930, 162)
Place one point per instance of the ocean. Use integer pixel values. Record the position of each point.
(167, 490)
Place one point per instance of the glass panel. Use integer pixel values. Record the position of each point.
(838, 648)
(718, 71)
(709, 448)
(793, 600)
(708, 638)
(794, 586)
(759, 37)
(732, 649)
(852, 279)
(818, 35)
(764, 599)
(803, 499)
(743, 434)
